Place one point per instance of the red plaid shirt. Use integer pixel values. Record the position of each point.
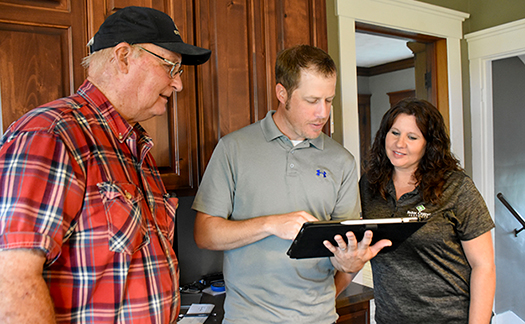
(71, 186)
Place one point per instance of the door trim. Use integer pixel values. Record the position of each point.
(484, 46)
(406, 15)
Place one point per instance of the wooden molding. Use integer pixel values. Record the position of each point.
(385, 68)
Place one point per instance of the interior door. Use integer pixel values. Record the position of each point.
(508, 77)
(430, 63)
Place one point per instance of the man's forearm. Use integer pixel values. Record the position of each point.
(23, 304)
(217, 233)
(24, 295)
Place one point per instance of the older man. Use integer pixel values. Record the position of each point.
(86, 225)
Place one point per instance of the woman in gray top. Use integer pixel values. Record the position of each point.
(445, 272)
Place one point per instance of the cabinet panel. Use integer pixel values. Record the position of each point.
(227, 87)
(238, 85)
(31, 69)
(41, 45)
(174, 133)
(234, 89)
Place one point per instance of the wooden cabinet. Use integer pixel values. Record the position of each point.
(237, 86)
(353, 304)
(42, 43)
(41, 47)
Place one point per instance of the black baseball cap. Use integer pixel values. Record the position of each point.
(135, 25)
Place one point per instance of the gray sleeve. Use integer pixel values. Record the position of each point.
(472, 212)
(216, 190)
(348, 204)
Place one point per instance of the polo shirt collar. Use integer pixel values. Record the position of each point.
(391, 190)
(271, 132)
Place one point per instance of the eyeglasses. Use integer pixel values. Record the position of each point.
(175, 67)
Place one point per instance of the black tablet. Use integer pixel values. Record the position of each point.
(309, 241)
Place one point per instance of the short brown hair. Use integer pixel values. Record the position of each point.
(291, 61)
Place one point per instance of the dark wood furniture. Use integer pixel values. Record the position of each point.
(353, 304)
(397, 96)
(42, 43)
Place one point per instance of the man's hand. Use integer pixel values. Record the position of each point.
(351, 257)
(220, 234)
(286, 226)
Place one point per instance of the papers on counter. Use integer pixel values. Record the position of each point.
(197, 314)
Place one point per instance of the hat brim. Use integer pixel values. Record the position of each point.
(191, 55)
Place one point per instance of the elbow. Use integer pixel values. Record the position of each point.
(201, 240)
(203, 236)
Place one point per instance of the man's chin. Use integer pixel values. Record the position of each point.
(313, 136)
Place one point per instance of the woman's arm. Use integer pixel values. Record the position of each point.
(342, 280)
(480, 255)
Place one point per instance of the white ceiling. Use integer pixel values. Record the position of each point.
(372, 50)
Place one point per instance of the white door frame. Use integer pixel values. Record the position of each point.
(406, 15)
(484, 46)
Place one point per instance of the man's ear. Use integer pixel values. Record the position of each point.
(121, 54)
(281, 93)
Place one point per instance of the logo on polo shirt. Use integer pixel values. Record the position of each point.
(321, 173)
(419, 213)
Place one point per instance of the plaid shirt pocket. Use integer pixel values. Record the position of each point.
(126, 224)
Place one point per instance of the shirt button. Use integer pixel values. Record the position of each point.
(292, 165)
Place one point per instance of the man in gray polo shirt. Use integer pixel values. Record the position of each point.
(263, 182)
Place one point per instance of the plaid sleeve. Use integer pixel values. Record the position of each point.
(38, 193)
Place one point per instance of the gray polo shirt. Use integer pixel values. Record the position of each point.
(256, 171)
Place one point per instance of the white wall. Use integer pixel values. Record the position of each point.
(378, 86)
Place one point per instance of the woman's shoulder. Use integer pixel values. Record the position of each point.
(459, 182)
(457, 177)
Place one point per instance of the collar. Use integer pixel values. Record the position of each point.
(272, 132)
(391, 190)
(118, 125)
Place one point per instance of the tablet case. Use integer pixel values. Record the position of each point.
(309, 241)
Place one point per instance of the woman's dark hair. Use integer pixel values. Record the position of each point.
(435, 163)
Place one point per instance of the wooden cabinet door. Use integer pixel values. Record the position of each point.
(174, 133)
(42, 44)
(237, 86)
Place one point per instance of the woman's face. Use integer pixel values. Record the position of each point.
(405, 144)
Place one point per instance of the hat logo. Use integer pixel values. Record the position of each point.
(176, 31)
